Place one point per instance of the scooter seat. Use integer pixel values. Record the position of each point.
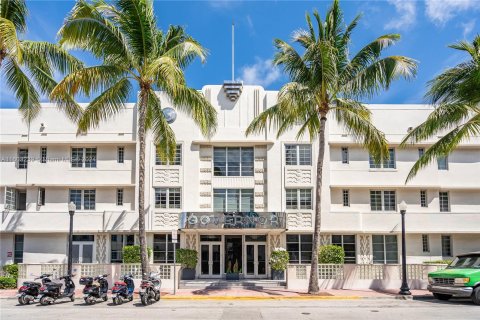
(31, 283)
(54, 284)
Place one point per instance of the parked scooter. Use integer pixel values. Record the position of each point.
(52, 291)
(123, 290)
(29, 290)
(150, 289)
(95, 288)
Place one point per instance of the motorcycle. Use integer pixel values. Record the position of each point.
(51, 291)
(95, 288)
(150, 289)
(29, 290)
(123, 290)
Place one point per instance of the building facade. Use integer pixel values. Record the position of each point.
(232, 198)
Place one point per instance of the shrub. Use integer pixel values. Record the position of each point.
(8, 283)
(131, 254)
(11, 270)
(187, 257)
(279, 259)
(331, 254)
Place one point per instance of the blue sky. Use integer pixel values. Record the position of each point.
(426, 27)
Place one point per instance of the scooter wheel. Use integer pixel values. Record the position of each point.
(114, 299)
(44, 301)
(157, 296)
(86, 300)
(72, 298)
(104, 298)
(130, 298)
(144, 299)
(21, 300)
(120, 300)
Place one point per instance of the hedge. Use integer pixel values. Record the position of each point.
(131, 254)
(11, 270)
(331, 254)
(8, 283)
(187, 257)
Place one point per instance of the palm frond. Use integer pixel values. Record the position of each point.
(23, 89)
(106, 105)
(15, 11)
(56, 57)
(8, 39)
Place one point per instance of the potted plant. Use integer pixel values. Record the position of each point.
(233, 272)
(188, 258)
(278, 263)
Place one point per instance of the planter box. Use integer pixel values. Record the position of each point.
(187, 274)
(278, 274)
(232, 276)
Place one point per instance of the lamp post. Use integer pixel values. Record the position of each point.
(71, 212)
(404, 289)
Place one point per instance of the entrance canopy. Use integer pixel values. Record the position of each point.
(232, 220)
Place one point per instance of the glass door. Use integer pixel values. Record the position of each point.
(82, 252)
(210, 260)
(255, 260)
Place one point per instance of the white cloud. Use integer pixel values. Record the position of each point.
(467, 27)
(262, 73)
(441, 11)
(406, 14)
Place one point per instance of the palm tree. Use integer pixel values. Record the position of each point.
(326, 81)
(124, 35)
(28, 66)
(456, 96)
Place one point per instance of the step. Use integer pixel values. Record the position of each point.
(224, 284)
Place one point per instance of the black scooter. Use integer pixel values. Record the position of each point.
(150, 289)
(29, 290)
(52, 291)
(123, 290)
(95, 288)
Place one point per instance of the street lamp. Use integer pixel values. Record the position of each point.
(404, 289)
(71, 212)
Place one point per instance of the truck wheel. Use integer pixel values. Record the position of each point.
(476, 296)
(443, 297)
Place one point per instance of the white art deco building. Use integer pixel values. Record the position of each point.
(232, 198)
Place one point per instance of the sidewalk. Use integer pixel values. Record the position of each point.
(270, 294)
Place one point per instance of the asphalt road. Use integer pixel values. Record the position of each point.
(249, 310)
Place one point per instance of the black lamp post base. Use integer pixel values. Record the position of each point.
(405, 291)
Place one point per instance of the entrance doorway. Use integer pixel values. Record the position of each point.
(256, 263)
(233, 254)
(82, 249)
(210, 259)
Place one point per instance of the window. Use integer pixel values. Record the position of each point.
(425, 243)
(22, 158)
(177, 160)
(298, 198)
(421, 152)
(231, 161)
(444, 201)
(18, 248)
(119, 197)
(423, 198)
(447, 246)
(83, 199)
(386, 164)
(15, 199)
(41, 197)
(233, 200)
(385, 249)
(299, 247)
(347, 242)
(442, 163)
(168, 198)
(84, 156)
(346, 198)
(383, 200)
(117, 242)
(121, 154)
(298, 154)
(163, 248)
(43, 155)
(345, 155)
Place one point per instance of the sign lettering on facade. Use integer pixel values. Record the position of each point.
(232, 220)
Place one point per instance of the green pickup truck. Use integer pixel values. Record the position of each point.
(460, 279)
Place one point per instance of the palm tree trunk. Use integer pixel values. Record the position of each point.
(313, 283)
(141, 183)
